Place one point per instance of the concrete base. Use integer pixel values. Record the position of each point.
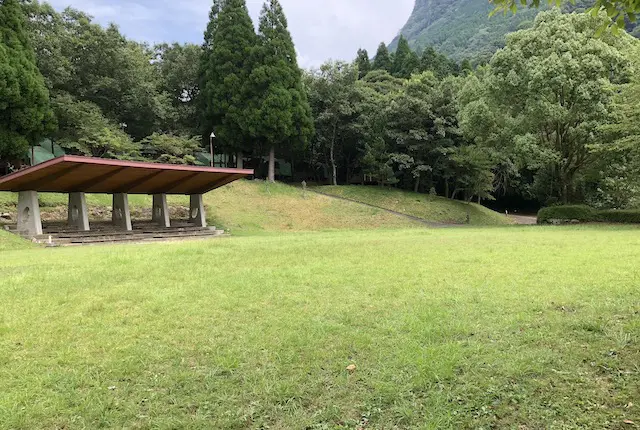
(78, 213)
(120, 215)
(161, 210)
(197, 214)
(29, 221)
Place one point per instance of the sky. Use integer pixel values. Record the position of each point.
(321, 29)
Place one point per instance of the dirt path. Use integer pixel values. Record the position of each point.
(524, 219)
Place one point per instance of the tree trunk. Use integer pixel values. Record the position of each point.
(416, 187)
(446, 188)
(334, 169)
(565, 192)
(272, 164)
(240, 160)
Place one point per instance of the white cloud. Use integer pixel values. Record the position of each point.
(321, 29)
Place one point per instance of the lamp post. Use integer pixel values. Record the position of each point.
(213, 136)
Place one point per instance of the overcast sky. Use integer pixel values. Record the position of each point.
(321, 29)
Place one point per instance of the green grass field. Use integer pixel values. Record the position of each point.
(523, 328)
(424, 206)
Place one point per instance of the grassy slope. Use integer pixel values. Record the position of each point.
(248, 207)
(429, 208)
(11, 242)
(456, 328)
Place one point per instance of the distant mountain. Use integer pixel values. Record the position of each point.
(462, 29)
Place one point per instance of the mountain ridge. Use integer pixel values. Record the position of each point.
(463, 29)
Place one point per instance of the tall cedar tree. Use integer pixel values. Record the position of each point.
(383, 59)
(204, 102)
(363, 62)
(406, 61)
(25, 115)
(281, 116)
(229, 48)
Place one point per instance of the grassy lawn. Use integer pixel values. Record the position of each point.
(524, 328)
(427, 207)
(243, 207)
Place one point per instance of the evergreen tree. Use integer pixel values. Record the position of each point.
(25, 115)
(229, 47)
(383, 59)
(410, 65)
(204, 102)
(363, 62)
(210, 32)
(281, 116)
(402, 54)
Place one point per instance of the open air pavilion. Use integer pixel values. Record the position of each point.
(77, 176)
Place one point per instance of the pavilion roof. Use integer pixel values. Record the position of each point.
(69, 174)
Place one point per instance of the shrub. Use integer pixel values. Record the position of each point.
(567, 213)
(620, 216)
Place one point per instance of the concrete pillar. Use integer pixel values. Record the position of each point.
(29, 221)
(120, 215)
(161, 210)
(78, 213)
(197, 214)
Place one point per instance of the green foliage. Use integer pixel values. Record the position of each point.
(618, 12)
(171, 149)
(225, 90)
(620, 216)
(587, 214)
(178, 67)
(545, 97)
(405, 61)
(83, 130)
(472, 166)
(280, 116)
(567, 213)
(363, 62)
(439, 64)
(25, 115)
(96, 64)
(382, 61)
(333, 99)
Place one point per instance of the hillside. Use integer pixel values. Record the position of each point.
(244, 207)
(253, 207)
(424, 206)
(462, 29)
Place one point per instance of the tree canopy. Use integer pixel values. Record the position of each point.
(25, 115)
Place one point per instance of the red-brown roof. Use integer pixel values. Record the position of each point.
(69, 174)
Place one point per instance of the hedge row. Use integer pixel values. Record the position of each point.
(624, 217)
(566, 214)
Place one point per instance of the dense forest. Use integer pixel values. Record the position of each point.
(553, 117)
